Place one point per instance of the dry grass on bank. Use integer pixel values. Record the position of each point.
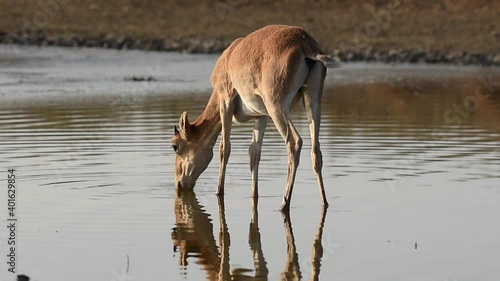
(447, 25)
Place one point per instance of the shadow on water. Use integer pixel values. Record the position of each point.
(193, 238)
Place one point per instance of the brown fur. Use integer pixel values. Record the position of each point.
(256, 77)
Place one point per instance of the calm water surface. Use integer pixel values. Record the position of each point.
(413, 180)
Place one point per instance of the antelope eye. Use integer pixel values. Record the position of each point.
(174, 146)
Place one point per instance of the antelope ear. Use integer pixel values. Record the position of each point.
(176, 131)
(184, 122)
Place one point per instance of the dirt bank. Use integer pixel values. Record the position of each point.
(460, 31)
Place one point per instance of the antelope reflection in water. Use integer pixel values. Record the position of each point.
(193, 237)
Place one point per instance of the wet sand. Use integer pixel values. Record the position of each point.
(414, 189)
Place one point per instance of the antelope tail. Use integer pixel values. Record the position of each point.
(313, 51)
(328, 61)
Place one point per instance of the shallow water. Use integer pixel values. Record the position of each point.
(412, 176)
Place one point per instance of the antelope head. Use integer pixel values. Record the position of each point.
(193, 153)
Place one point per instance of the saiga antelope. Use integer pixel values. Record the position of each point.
(258, 76)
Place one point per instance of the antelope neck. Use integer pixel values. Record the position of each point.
(208, 124)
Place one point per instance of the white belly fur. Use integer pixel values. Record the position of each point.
(248, 107)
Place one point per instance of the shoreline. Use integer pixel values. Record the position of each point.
(215, 46)
(39, 76)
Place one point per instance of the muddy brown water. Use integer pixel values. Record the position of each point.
(411, 166)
